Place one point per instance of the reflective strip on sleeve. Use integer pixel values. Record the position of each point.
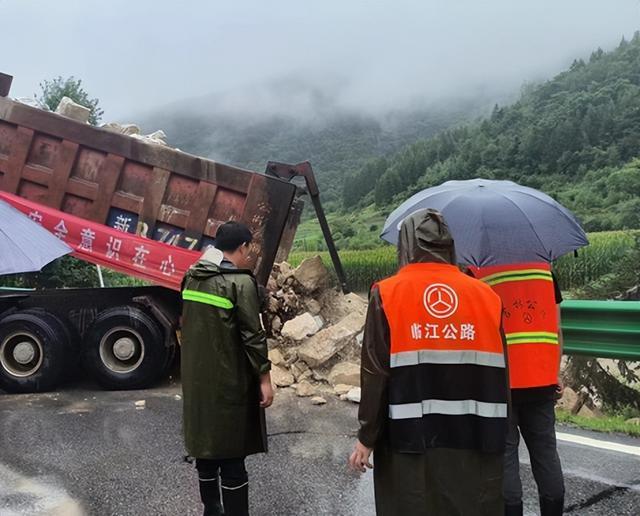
(449, 408)
(428, 356)
(207, 299)
(534, 337)
(521, 275)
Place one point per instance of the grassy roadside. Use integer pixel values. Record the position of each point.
(606, 424)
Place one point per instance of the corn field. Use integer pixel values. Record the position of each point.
(362, 268)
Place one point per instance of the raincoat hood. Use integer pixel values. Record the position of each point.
(425, 237)
(203, 269)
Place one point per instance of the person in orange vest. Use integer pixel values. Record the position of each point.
(531, 299)
(434, 402)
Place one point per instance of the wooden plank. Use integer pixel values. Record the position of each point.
(200, 210)
(153, 196)
(19, 152)
(61, 172)
(109, 174)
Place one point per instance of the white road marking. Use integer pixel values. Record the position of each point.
(597, 443)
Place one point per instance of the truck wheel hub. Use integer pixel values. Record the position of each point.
(21, 354)
(124, 348)
(24, 352)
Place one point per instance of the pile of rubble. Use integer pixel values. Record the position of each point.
(315, 332)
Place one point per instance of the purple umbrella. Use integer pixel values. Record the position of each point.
(25, 246)
(496, 222)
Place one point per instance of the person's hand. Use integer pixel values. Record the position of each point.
(359, 459)
(266, 390)
(560, 387)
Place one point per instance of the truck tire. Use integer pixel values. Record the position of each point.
(35, 349)
(124, 349)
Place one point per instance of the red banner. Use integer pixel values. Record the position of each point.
(99, 244)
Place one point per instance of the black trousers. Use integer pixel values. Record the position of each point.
(232, 472)
(536, 422)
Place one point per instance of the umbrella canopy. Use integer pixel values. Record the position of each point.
(25, 246)
(496, 222)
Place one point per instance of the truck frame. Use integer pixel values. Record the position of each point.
(132, 196)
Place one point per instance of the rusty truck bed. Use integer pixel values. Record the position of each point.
(134, 186)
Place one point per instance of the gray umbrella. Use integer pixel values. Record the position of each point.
(496, 222)
(25, 246)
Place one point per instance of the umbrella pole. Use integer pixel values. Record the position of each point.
(100, 278)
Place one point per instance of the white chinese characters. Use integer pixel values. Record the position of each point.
(449, 331)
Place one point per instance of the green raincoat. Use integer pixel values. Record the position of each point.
(224, 352)
(441, 481)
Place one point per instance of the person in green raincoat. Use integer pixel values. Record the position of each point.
(226, 382)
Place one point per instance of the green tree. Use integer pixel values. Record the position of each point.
(54, 90)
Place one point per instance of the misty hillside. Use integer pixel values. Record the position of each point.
(576, 136)
(337, 142)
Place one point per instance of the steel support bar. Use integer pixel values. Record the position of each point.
(605, 329)
(289, 172)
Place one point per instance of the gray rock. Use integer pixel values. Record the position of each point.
(569, 400)
(301, 327)
(313, 306)
(318, 400)
(281, 377)
(341, 389)
(346, 373)
(325, 344)
(633, 421)
(354, 395)
(71, 109)
(311, 274)
(305, 389)
(275, 355)
(276, 324)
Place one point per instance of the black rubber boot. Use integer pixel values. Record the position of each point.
(513, 510)
(210, 495)
(236, 500)
(549, 507)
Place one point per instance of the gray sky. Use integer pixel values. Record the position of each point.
(136, 55)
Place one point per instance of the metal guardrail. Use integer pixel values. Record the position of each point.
(605, 329)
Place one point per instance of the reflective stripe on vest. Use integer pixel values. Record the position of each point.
(520, 275)
(207, 299)
(448, 383)
(441, 356)
(530, 321)
(448, 408)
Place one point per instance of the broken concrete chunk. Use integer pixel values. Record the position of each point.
(354, 395)
(345, 373)
(275, 356)
(342, 388)
(71, 109)
(305, 389)
(311, 274)
(281, 377)
(326, 343)
(318, 400)
(301, 327)
(569, 400)
(313, 306)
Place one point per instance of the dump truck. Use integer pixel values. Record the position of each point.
(143, 209)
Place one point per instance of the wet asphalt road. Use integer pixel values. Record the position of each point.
(85, 452)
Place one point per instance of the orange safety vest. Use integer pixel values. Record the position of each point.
(530, 321)
(447, 383)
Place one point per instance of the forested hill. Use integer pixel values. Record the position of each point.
(336, 141)
(576, 137)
